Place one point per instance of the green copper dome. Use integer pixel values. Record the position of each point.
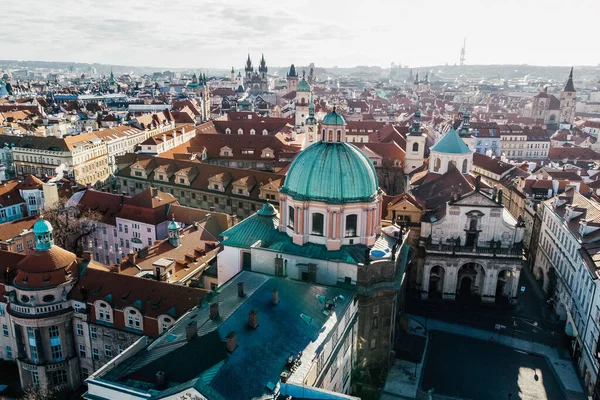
(42, 231)
(333, 173)
(303, 86)
(173, 226)
(333, 118)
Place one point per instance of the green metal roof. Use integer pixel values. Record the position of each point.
(451, 143)
(303, 86)
(333, 118)
(333, 173)
(265, 228)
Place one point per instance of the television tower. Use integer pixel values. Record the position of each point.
(462, 52)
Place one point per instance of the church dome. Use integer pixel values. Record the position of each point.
(333, 118)
(333, 173)
(303, 86)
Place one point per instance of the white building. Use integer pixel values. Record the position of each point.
(567, 264)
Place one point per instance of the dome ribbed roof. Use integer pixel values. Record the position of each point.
(46, 268)
(333, 173)
(333, 118)
(303, 86)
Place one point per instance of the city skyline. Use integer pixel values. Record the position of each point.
(217, 35)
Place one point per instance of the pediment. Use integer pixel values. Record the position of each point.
(476, 199)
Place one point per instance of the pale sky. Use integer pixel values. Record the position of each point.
(218, 34)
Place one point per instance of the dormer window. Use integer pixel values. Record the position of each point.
(228, 131)
(240, 131)
(103, 311)
(134, 318)
(252, 132)
(265, 132)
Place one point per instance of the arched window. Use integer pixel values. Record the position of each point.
(451, 164)
(351, 223)
(133, 318)
(464, 167)
(330, 136)
(339, 136)
(291, 217)
(317, 224)
(437, 164)
(164, 323)
(103, 311)
(375, 323)
(415, 147)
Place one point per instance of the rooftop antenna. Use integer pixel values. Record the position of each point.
(463, 52)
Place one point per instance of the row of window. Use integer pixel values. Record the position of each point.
(318, 223)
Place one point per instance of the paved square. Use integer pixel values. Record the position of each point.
(474, 369)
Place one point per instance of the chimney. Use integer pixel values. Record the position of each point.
(214, 311)
(284, 376)
(160, 379)
(132, 257)
(153, 191)
(253, 319)
(87, 255)
(241, 289)
(191, 331)
(275, 296)
(231, 343)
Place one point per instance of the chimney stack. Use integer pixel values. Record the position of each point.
(241, 289)
(191, 331)
(131, 257)
(275, 296)
(253, 319)
(153, 191)
(231, 343)
(214, 311)
(284, 376)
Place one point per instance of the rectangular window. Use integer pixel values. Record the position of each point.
(4, 330)
(149, 241)
(35, 378)
(19, 247)
(30, 332)
(95, 354)
(79, 329)
(2, 312)
(93, 332)
(56, 351)
(120, 348)
(84, 373)
(34, 352)
(107, 351)
(53, 331)
(82, 351)
(9, 352)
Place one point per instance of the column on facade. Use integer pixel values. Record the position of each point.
(330, 228)
(515, 285)
(425, 284)
(451, 281)
(488, 292)
(368, 225)
(338, 217)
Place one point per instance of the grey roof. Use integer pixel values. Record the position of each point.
(261, 353)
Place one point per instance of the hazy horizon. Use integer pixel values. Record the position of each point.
(219, 35)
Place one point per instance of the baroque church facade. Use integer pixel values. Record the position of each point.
(469, 246)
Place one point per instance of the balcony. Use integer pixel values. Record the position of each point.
(38, 310)
(473, 250)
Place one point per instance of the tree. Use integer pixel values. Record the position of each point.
(71, 224)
